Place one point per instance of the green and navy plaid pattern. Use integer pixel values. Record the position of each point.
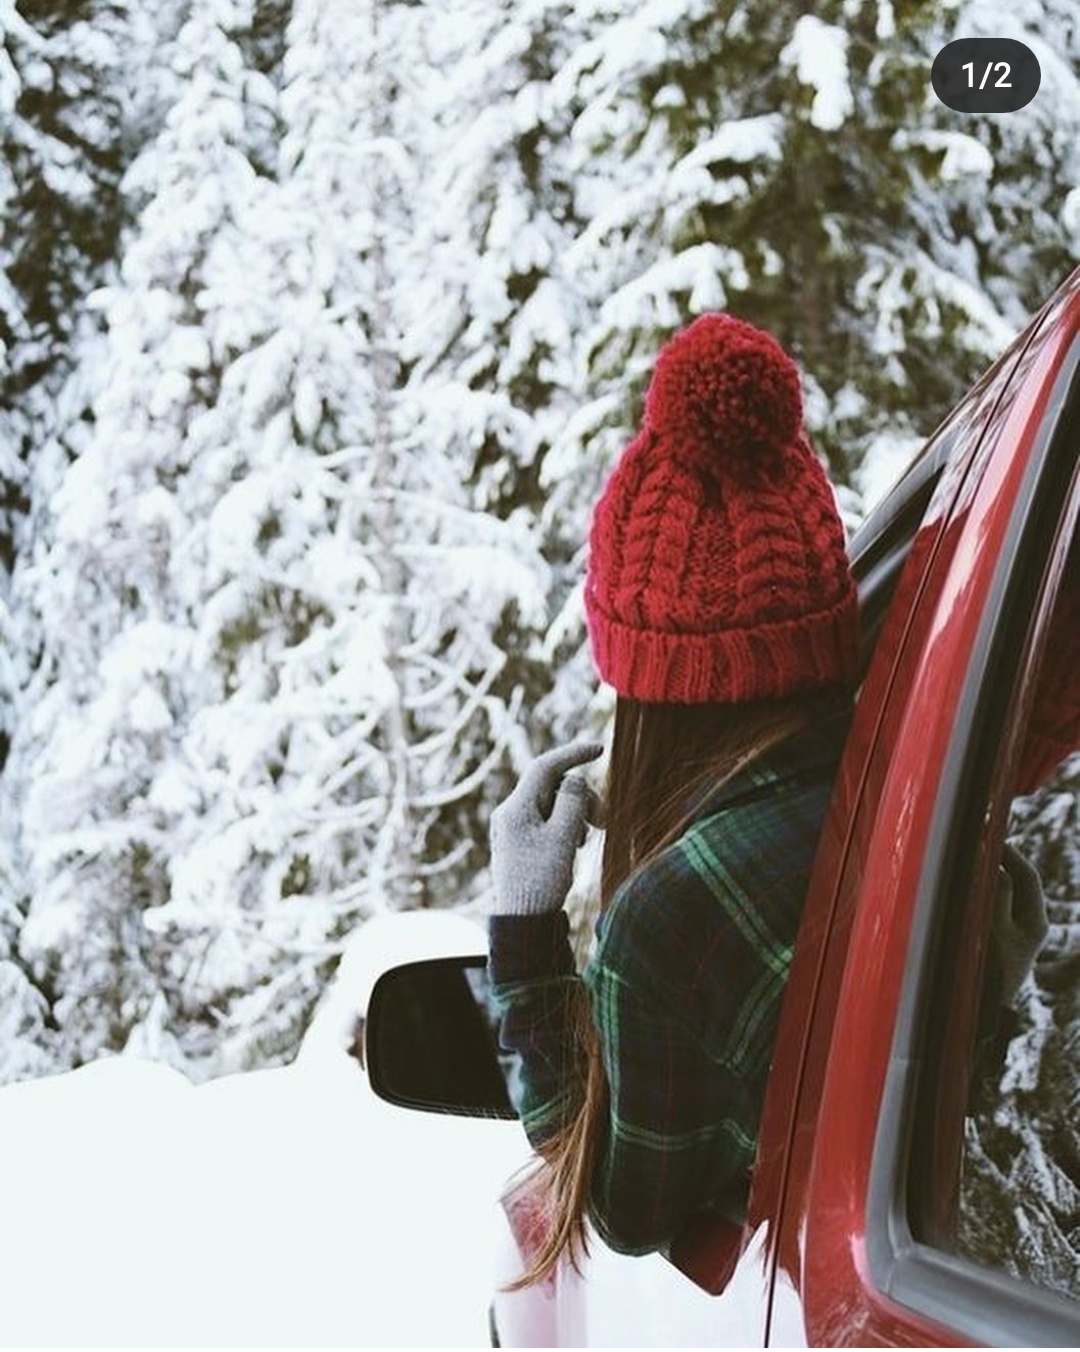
(689, 968)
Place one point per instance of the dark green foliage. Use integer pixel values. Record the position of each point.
(854, 211)
(65, 152)
(264, 44)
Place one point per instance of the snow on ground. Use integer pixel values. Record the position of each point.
(283, 1207)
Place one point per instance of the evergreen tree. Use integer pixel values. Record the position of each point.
(72, 108)
(798, 169)
(268, 601)
(99, 762)
(323, 323)
(490, 362)
(73, 101)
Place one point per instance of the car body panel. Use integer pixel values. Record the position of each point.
(619, 1301)
(788, 1127)
(886, 798)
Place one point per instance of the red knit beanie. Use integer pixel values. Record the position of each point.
(717, 569)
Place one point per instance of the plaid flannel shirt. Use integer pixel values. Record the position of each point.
(690, 964)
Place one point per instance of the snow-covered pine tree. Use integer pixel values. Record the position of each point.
(60, 159)
(100, 754)
(77, 89)
(460, 568)
(1003, 192)
(81, 81)
(788, 165)
(268, 601)
(405, 663)
(395, 277)
(490, 338)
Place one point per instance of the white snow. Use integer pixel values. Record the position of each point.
(1070, 214)
(743, 139)
(817, 52)
(965, 156)
(282, 1208)
(279, 1208)
(887, 457)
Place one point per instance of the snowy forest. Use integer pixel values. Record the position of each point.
(321, 324)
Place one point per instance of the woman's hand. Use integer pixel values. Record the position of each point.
(1020, 922)
(538, 829)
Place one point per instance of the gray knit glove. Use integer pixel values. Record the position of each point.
(537, 831)
(1020, 923)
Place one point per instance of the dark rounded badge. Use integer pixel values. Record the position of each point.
(986, 75)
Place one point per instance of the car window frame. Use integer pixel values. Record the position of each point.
(979, 1303)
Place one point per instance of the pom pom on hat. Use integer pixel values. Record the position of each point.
(725, 398)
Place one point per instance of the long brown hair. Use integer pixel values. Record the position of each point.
(664, 759)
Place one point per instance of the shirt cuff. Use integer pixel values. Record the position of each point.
(524, 947)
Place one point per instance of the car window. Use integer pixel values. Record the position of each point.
(994, 1153)
(1019, 1180)
(1019, 1185)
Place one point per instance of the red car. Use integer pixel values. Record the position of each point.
(918, 1177)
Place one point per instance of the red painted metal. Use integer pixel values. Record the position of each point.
(846, 994)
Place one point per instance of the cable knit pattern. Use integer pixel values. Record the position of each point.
(717, 568)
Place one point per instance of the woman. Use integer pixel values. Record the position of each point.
(721, 609)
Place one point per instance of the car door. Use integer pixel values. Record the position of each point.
(887, 1128)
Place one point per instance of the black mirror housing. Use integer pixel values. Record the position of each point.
(431, 1039)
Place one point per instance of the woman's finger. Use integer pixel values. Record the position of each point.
(541, 778)
(568, 813)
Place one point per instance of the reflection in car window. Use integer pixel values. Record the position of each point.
(1019, 1193)
(1020, 1180)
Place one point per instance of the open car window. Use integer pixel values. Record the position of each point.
(984, 1169)
(1018, 1181)
(1018, 1202)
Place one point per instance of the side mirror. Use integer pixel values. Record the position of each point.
(431, 1039)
